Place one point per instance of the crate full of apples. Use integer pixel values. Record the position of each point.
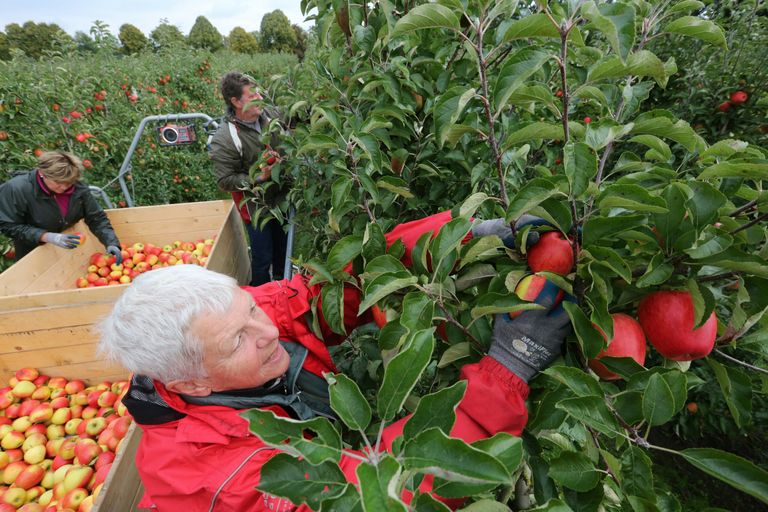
(58, 440)
(103, 270)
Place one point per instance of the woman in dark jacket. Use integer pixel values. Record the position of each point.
(37, 206)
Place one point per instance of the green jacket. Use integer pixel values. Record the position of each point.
(26, 212)
(231, 168)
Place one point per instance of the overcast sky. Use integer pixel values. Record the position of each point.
(79, 15)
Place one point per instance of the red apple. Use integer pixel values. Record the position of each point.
(739, 97)
(628, 341)
(667, 319)
(552, 253)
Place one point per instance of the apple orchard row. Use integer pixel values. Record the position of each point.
(58, 440)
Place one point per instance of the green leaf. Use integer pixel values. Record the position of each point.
(610, 259)
(317, 143)
(686, 6)
(427, 503)
(486, 505)
(395, 185)
(637, 474)
(631, 197)
(534, 131)
(426, 16)
(576, 380)
(418, 310)
(599, 228)
(494, 303)
(535, 25)
(601, 134)
(704, 203)
(658, 401)
(709, 243)
(436, 410)
(472, 203)
(386, 263)
(403, 372)
(276, 430)
(724, 149)
(448, 109)
(657, 272)
(592, 411)
(580, 165)
(737, 391)
(616, 22)
(340, 191)
(736, 259)
(515, 71)
(508, 449)
(344, 251)
(378, 485)
(370, 146)
(574, 471)
(731, 469)
(748, 170)
(383, 285)
(654, 124)
(479, 249)
(590, 339)
(301, 482)
(529, 196)
(348, 402)
(655, 143)
(693, 26)
(374, 243)
(449, 238)
(433, 452)
(332, 295)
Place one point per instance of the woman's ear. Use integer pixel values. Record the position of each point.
(192, 387)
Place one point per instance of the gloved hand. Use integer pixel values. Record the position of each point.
(500, 228)
(116, 252)
(62, 240)
(530, 342)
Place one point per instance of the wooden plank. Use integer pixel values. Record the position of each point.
(179, 211)
(47, 339)
(43, 358)
(123, 482)
(56, 298)
(36, 319)
(230, 254)
(89, 371)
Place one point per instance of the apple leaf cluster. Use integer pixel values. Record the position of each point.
(498, 109)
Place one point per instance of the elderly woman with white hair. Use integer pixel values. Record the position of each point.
(203, 350)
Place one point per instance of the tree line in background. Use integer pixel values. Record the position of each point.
(37, 40)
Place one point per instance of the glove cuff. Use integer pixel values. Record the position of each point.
(506, 357)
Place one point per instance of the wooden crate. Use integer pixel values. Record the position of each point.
(45, 321)
(48, 323)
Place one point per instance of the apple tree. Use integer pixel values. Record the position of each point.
(497, 109)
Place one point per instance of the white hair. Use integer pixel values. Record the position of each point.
(148, 330)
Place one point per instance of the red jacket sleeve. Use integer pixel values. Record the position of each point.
(408, 233)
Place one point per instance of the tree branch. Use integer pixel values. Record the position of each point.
(739, 361)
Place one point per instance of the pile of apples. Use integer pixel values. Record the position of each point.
(58, 439)
(666, 317)
(139, 258)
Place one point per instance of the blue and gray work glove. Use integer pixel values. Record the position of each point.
(530, 342)
(501, 228)
(62, 240)
(116, 252)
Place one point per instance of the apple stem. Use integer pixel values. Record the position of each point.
(739, 361)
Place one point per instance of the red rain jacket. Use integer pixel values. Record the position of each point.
(209, 461)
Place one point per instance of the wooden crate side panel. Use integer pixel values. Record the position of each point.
(55, 318)
(168, 211)
(52, 299)
(122, 488)
(50, 268)
(230, 254)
